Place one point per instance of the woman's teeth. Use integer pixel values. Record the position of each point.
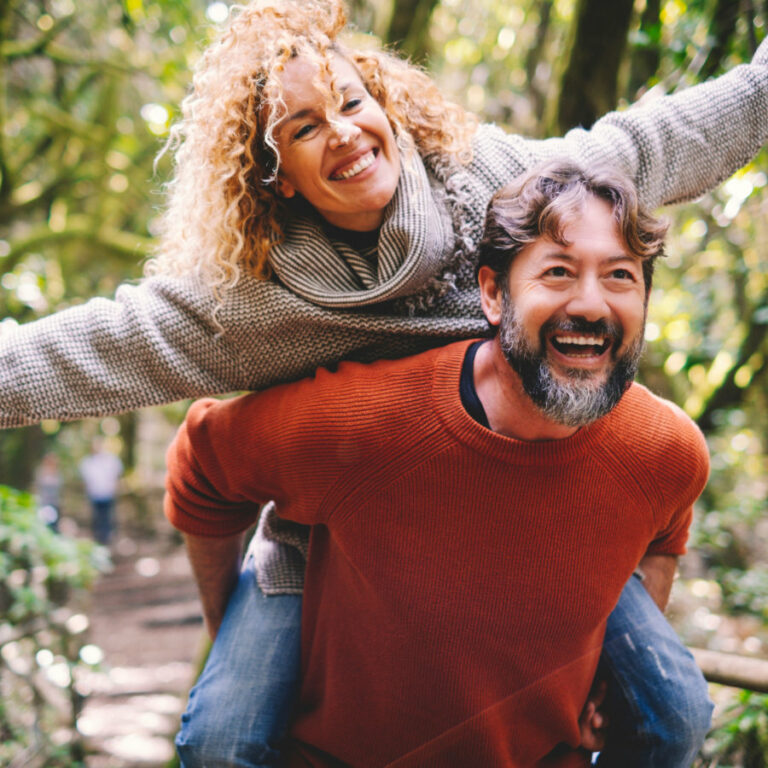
(366, 161)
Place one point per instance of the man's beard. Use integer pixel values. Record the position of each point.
(573, 400)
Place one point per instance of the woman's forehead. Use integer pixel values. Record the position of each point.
(310, 75)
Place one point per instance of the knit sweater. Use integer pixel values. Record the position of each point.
(454, 608)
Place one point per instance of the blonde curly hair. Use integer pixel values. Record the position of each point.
(223, 214)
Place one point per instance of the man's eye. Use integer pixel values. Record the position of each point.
(622, 274)
(557, 272)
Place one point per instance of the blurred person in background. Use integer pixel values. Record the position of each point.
(101, 471)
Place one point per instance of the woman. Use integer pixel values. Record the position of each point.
(326, 205)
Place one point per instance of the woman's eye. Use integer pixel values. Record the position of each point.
(303, 131)
(622, 274)
(351, 104)
(557, 272)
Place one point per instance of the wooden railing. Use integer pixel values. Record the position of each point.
(733, 670)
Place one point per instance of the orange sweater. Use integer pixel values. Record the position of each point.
(458, 580)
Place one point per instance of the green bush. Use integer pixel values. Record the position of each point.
(43, 575)
(740, 737)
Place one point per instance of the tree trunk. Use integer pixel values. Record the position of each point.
(20, 453)
(728, 394)
(536, 95)
(721, 31)
(646, 55)
(409, 27)
(589, 85)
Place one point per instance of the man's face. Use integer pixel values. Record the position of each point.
(573, 318)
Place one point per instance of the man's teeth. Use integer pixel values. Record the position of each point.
(591, 341)
(364, 162)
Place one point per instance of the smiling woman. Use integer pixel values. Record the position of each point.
(342, 158)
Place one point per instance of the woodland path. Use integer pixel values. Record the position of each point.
(145, 617)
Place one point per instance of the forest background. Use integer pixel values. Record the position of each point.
(88, 92)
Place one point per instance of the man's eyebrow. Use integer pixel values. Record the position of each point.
(557, 253)
(623, 257)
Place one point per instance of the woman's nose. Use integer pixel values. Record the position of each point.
(343, 132)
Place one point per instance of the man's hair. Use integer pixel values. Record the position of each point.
(542, 202)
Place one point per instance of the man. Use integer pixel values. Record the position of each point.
(476, 510)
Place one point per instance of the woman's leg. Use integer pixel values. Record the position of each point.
(660, 709)
(240, 708)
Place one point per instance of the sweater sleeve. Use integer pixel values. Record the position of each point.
(661, 142)
(222, 467)
(285, 445)
(154, 343)
(211, 491)
(682, 475)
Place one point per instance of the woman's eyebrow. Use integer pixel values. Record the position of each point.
(306, 111)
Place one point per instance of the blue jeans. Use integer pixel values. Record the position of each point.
(101, 519)
(240, 708)
(659, 705)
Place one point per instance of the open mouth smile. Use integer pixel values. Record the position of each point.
(366, 161)
(584, 346)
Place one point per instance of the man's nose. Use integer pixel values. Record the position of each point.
(343, 132)
(588, 300)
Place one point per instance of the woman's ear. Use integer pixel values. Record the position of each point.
(490, 294)
(285, 188)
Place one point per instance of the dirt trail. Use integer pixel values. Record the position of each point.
(146, 619)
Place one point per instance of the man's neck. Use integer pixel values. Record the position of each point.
(509, 409)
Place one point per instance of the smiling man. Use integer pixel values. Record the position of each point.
(476, 510)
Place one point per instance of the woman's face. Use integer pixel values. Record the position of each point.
(344, 161)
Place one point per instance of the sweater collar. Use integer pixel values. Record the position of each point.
(415, 241)
(448, 406)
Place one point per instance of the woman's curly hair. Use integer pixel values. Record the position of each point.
(223, 213)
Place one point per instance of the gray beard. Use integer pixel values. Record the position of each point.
(574, 401)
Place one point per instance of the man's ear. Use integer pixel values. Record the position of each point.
(284, 187)
(490, 295)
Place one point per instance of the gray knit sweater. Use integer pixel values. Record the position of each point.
(157, 341)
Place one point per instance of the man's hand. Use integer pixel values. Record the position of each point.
(216, 565)
(593, 721)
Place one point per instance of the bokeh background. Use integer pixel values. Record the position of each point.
(88, 91)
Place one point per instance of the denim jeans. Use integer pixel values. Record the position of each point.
(101, 519)
(659, 706)
(240, 708)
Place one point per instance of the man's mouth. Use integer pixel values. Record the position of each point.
(347, 172)
(581, 345)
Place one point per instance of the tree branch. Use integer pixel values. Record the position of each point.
(78, 228)
(728, 393)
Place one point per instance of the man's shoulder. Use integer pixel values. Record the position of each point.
(382, 380)
(350, 400)
(660, 431)
(642, 402)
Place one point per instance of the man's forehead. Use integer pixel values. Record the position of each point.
(591, 223)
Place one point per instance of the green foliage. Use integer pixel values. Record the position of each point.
(42, 577)
(740, 739)
(87, 94)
